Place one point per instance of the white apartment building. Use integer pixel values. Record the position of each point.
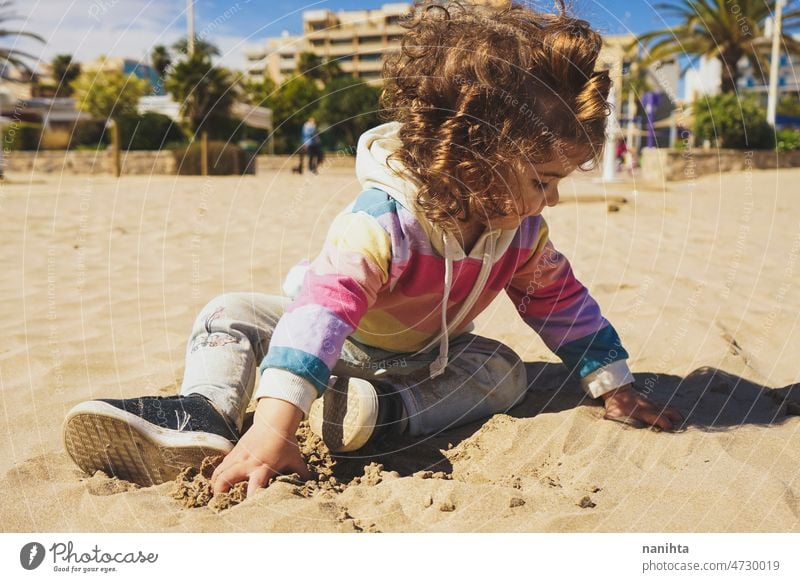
(705, 78)
(356, 39)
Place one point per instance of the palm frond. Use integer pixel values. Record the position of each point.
(32, 35)
(5, 52)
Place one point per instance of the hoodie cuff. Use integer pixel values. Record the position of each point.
(607, 378)
(282, 384)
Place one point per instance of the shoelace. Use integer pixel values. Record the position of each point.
(182, 423)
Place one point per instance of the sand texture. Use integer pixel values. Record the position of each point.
(102, 279)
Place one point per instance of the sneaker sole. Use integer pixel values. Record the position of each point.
(344, 418)
(101, 437)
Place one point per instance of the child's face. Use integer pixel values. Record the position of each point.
(537, 187)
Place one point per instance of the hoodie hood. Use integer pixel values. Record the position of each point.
(373, 171)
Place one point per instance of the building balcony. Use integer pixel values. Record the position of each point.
(370, 65)
(254, 54)
(338, 51)
(262, 62)
(371, 46)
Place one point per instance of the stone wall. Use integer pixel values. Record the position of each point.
(134, 162)
(665, 165)
(85, 162)
(285, 162)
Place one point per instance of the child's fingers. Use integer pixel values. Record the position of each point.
(221, 468)
(228, 479)
(666, 415)
(653, 418)
(668, 412)
(216, 472)
(300, 467)
(258, 478)
(672, 413)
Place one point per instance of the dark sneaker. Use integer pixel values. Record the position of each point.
(146, 440)
(353, 412)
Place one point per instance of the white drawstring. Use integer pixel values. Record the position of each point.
(440, 363)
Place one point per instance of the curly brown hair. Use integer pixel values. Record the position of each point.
(481, 91)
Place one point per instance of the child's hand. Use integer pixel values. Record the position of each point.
(267, 449)
(629, 406)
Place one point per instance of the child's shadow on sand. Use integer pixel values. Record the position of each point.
(709, 399)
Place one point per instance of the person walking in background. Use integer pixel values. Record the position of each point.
(311, 145)
(621, 153)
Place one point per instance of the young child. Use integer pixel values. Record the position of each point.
(492, 109)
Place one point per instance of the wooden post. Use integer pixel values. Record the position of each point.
(204, 153)
(115, 147)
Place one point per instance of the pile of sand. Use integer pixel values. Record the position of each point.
(329, 477)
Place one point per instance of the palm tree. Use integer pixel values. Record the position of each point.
(201, 47)
(65, 70)
(723, 30)
(309, 64)
(258, 93)
(160, 59)
(12, 58)
(205, 92)
(330, 70)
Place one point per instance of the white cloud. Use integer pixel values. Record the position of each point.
(123, 28)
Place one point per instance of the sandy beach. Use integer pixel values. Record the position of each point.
(102, 279)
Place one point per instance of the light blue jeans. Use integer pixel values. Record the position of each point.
(231, 336)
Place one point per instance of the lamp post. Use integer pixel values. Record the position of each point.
(772, 101)
(609, 153)
(190, 23)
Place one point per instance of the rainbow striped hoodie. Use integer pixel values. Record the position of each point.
(389, 278)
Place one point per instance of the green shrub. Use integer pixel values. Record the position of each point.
(788, 140)
(22, 136)
(789, 105)
(733, 121)
(151, 131)
(349, 107)
(225, 129)
(89, 135)
(224, 159)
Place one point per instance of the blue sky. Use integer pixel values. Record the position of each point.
(273, 16)
(89, 28)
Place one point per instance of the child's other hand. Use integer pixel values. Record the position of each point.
(631, 407)
(267, 449)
